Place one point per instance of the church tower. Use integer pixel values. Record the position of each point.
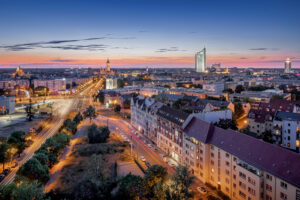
(107, 65)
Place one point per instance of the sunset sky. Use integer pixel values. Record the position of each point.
(140, 33)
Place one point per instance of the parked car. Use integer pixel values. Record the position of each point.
(6, 171)
(15, 164)
(211, 197)
(149, 145)
(202, 190)
(148, 164)
(143, 158)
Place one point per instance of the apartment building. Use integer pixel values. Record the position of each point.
(144, 116)
(54, 85)
(7, 105)
(170, 133)
(260, 117)
(240, 166)
(286, 130)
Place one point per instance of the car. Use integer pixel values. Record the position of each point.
(147, 164)
(149, 145)
(143, 158)
(211, 197)
(6, 171)
(15, 164)
(202, 190)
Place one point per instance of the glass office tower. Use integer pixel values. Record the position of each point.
(200, 61)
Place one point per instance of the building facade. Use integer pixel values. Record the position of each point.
(286, 130)
(200, 61)
(54, 85)
(7, 105)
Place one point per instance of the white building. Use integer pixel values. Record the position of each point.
(54, 85)
(217, 87)
(200, 61)
(286, 130)
(7, 105)
(111, 83)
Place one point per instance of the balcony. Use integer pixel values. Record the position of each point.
(250, 168)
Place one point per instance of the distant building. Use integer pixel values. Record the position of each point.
(111, 83)
(286, 130)
(288, 66)
(54, 85)
(18, 73)
(200, 61)
(106, 70)
(7, 105)
(214, 87)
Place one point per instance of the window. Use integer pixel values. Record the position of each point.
(242, 175)
(212, 162)
(227, 163)
(227, 189)
(201, 151)
(251, 191)
(251, 180)
(283, 196)
(269, 187)
(242, 185)
(212, 155)
(243, 195)
(268, 197)
(201, 174)
(283, 185)
(234, 185)
(269, 177)
(227, 180)
(227, 172)
(227, 155)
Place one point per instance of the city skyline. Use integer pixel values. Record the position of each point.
(153, 34)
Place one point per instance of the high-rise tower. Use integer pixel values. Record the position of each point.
(200, 61)
(287, 66)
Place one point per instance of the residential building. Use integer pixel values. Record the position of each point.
(170, 133)
(286, 130)
(240, 166)
(54, 85)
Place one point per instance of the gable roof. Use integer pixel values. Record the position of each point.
(273, 159)
(175, 116)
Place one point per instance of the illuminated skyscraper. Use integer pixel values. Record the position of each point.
(287, 66)
(200, 61)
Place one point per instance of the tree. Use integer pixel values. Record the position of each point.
(276, 96)
(180, 184)
(117, 108)
(238, 110)
(98, 134)
(42, 158)
(229, 90)
(4, 153)
(120, 83)
(78, 118)
(90, 113)
(131, 187)
(24, 191)
(17, 140)
(154, 176)
(267, 136)
(34, 170)
(101, 97)
(239, 88)
(70, 126)
(227, 124)
(28, 110)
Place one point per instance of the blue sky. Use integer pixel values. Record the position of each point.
(148, 33)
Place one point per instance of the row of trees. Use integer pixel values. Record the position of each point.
(37, 168)
(157, 185)
(15, 145)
